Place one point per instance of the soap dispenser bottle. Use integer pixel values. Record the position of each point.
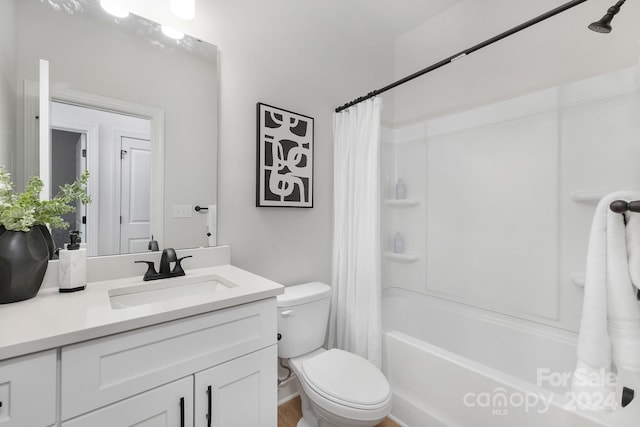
(73, 265)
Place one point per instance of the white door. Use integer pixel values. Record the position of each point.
(168, 406)
(135, 195)
(239, 393)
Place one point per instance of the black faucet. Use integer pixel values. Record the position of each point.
(168, 256)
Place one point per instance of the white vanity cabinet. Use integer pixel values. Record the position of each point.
(146, 376)
(28, 390)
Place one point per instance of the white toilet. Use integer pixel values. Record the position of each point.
(337, 388)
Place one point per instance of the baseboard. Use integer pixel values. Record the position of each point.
(285, 399)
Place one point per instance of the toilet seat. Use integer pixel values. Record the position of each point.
(346, 379)
(344, 384)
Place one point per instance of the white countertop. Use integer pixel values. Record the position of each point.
(54, 319)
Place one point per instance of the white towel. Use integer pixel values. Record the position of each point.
(610, 328)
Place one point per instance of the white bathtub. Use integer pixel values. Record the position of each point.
(451, 365)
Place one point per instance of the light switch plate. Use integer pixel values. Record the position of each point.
(182, 211)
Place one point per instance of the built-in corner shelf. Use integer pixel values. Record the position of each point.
(402, 202)
(404, 257)
(591, 197)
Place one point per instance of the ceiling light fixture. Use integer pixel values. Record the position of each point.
(172, 32)
(184, 9)
(116, 8)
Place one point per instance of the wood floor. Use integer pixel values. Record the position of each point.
(289, 414)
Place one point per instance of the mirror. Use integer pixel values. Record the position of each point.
(102, 65)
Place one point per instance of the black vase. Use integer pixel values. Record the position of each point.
(24, 257)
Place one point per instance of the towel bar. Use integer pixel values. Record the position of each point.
(620, 206)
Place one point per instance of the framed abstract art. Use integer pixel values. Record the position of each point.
(284, 175)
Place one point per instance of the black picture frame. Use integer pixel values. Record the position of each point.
(284, 159)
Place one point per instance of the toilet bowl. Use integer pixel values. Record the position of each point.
(337, 388)
(342, 389)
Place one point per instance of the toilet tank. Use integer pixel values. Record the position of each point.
(303, 317)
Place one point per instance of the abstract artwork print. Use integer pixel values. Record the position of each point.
(284, 159)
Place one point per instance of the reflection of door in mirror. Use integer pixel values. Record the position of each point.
(118, 156)
(67, 164)
(135, 184)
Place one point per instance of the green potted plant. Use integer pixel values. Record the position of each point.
(25, 241)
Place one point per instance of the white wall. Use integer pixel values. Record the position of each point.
(305, 56)
(7, 84)
(558, 50)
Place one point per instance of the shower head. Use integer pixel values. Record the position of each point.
(604, 24)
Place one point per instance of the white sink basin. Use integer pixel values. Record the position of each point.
(157, 291)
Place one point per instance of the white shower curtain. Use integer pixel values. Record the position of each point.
(355, 323)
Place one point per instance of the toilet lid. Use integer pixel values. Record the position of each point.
(346, 377)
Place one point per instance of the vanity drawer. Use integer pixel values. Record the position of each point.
(28, 390)
(98, 372)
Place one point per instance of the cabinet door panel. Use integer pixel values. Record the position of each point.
(28, 390)
(168, 406)
(243, 392)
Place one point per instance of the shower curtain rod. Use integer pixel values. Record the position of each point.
(466, 52)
